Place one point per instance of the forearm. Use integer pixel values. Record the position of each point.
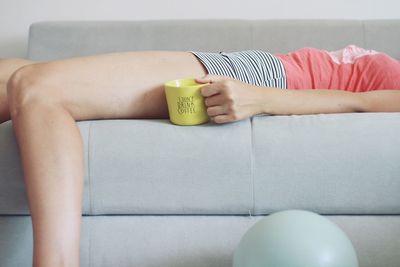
(310, 101)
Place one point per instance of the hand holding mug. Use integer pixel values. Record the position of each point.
(229, 99)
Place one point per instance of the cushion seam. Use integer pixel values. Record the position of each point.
(90, 194)
(252, 165)
(89, 173)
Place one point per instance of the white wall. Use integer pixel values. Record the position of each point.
(17, 15)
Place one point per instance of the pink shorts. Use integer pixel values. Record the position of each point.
(351, 69)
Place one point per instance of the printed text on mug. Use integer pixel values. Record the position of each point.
(186, 105)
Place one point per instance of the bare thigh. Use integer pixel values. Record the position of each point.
(117, 85)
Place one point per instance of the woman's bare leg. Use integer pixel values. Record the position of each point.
(7, 67)
(45, 101)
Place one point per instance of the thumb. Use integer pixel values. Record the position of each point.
(209, 78)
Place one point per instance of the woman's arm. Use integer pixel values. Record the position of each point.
(230, 100)
(312, 101)
(381, 101)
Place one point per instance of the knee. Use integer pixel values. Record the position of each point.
(27, 86)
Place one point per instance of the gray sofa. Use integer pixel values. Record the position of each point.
(157, 194)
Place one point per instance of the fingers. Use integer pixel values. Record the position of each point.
(217, 97)
(217, 83)
(222, 119)
(209, 90)
(214, 100)
(220, 114)
(210, 78)
(215, 105)
(217, 110)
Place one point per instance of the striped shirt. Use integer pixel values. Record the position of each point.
(250, 66)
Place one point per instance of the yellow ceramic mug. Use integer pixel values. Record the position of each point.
(185, 102)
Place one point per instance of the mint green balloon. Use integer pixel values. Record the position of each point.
(295, 238)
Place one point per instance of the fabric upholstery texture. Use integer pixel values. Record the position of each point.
(61, 39)
(181, 241)
(255, 166)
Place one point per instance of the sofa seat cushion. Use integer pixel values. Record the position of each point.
(329, 163)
